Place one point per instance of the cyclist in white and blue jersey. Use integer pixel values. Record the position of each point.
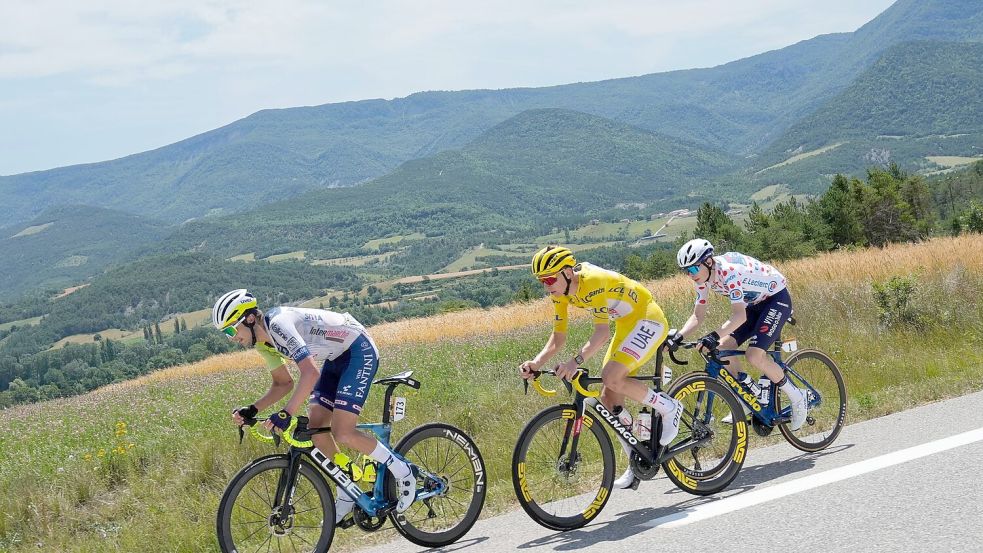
(760, 305)
(337, 361)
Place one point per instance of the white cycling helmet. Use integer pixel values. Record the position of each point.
(693, 252)
(231, 308)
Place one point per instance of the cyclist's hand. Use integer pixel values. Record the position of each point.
(280, 419)
(240, 414)
(567, 370)
(709, 342)
(526, 370)
(674, 340)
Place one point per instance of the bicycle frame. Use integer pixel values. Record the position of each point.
(650, 450)
(768, 413)
(374, 505)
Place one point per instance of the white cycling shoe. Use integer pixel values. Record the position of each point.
(670, 424)
(405, 492)
(800, 408)
(628, 480)
(729, 419)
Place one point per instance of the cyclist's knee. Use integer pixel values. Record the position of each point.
(756, 356)
(729, 342)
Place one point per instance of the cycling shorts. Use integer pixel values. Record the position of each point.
(345, 380)
(637, 339)
(765, 321)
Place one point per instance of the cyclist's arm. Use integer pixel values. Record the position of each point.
(309, 374)
(738, 315)
(695, 320)
(279, 388)
(601, 335)
(554, 344)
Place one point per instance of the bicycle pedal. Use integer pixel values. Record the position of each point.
(346, 522)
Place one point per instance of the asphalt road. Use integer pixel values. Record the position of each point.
(906, 482)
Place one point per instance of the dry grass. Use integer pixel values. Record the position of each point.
(829, 271)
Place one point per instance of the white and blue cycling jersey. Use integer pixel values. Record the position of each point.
(298, 333)
(742, 278)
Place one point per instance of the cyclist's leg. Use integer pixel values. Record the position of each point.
(634, 344)
(736, 338)
(352, 391)
(774, 313)
(321, 407)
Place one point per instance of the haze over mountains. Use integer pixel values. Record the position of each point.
(454, 165)
(740, 108)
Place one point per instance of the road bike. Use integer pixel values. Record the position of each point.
(563, 464)
(282, 502)
(808, 369)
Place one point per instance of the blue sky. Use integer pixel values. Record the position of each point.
(88, 81)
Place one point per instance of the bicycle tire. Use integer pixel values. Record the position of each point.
(243, 520)
(830, 414)
(537, 463)
(447, 452)
(696, 390)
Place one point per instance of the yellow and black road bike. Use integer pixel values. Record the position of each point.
(563, 465)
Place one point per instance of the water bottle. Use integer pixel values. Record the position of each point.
(644, 424)
(750, 384)
(764, 383)
(624, 416)
(345, 462)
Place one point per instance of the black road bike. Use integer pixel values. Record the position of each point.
(283, 502)
(563, 465)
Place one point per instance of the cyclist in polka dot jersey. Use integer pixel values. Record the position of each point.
(760, 305)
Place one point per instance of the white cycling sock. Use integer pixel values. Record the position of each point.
(342, 506)
(397, 467)
(661, 402)
(793, 393)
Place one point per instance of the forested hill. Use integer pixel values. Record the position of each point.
(65, 245)
(920, 99)
(518, 177)
(738, 107)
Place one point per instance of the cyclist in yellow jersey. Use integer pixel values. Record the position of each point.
(640, 327)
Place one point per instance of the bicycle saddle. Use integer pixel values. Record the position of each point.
(401, 378)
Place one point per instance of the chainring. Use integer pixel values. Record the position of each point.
(365, 522)
(760, 428)
(642, 468)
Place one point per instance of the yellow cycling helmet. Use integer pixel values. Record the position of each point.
(550, 260)
(232, 307)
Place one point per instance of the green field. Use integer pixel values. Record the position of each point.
(375, 244)
(631, 230)
(23, 322)
(468, 260)
(286, 256)
(142, 464)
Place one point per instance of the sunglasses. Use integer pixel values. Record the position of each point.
(549, 280)
(233, 330)
(692, 269)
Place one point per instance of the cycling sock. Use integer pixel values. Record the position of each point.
(342, 506)
(396, 466)
(661, 402)
(793, 393)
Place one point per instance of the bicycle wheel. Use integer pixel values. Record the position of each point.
(556, 489)
(814, 371)
(713, 464)
(248, 521)
(442, 452)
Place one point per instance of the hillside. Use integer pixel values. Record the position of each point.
(63, 246)
(146, 461)
(737, 107)
(920, 99)
(537, 166)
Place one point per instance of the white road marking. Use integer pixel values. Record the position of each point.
(749, 499)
